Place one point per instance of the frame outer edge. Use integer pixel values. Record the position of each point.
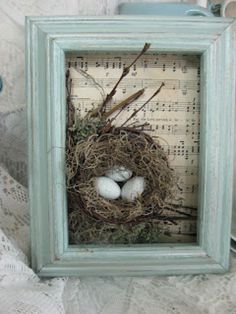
(45, 265)
(231, 36)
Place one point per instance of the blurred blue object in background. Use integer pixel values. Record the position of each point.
(164, 9)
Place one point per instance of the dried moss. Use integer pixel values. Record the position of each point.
(86, 230)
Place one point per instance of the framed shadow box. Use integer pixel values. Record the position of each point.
(130, 124)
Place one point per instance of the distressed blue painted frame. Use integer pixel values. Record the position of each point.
(48, 39)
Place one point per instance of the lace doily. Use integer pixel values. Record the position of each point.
(21, 291)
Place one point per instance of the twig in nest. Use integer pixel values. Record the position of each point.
(95, 83)
(71, 109)
(124, 103)
(140, 126)
(137, 110)
(120, 106)
(124, 74)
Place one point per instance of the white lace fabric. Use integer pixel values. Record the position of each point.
(21, 291)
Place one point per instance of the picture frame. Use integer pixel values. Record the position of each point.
(47, 41)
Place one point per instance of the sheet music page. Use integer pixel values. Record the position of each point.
(173, 115)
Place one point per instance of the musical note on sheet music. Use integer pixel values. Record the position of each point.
(173, 115)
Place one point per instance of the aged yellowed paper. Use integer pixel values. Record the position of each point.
(173, 115)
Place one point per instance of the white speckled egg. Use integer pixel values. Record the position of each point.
(107, 188)
(133, 188)
(119, 174)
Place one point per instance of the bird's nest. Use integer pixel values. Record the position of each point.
(135, 151)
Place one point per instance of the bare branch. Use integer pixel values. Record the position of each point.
(124, 74)
(124, 103)
(137, 110)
